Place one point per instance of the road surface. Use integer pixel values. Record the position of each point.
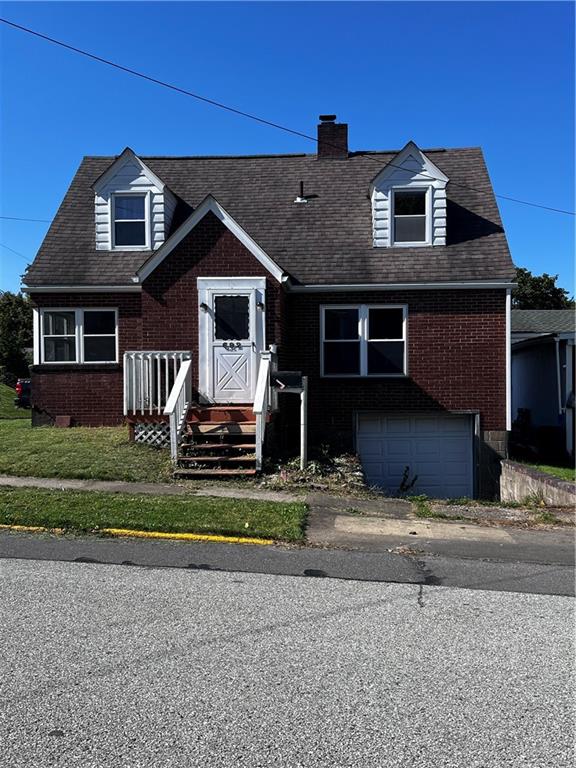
(110, 665)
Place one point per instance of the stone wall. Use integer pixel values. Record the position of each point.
(518, 481)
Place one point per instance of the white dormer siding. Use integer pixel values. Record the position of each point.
(410, 170)
(128, 175)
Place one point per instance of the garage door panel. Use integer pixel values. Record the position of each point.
(396, 425)
(436, 448)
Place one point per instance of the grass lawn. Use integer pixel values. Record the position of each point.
(564, 473)
(97, 453)
(83, 511)
(7, 408)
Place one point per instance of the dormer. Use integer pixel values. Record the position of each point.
(409, 202)
(133, 207)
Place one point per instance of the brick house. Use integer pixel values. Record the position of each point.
(172, 289)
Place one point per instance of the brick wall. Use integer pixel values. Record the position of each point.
(170, 294)
(91, 395)
(163, 317)
(456, 360)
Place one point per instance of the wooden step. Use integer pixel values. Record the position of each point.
(217, 446)
(213, 459)
(221, 413)
(221, 428)
(183, 473)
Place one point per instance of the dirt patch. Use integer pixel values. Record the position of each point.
(495, 514)
(337, 475)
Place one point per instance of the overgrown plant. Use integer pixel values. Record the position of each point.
(406, 484)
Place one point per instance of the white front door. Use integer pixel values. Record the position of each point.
(231, 337)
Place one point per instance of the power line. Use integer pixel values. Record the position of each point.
(17, 253)
(250, 116)
(19, 218)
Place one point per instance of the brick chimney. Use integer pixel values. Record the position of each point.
(332, 139)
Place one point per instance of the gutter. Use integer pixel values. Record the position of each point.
(341, 287)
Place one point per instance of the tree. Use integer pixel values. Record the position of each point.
(539, 292)
(15, 335)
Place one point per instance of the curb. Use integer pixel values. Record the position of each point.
(126, 532)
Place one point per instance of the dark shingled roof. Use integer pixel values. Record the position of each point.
(327, 240)
(543, 321)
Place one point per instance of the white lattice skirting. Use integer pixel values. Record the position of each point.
(152, 433)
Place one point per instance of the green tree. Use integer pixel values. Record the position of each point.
(15, 335)
(539, 292)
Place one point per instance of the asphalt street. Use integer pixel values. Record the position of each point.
(107, 665)
(545, 572)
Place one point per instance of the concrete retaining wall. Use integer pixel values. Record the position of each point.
(519, 481)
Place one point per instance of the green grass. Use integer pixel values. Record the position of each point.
(564, 473)
(7, 408)
(82, 511)
(89, 453)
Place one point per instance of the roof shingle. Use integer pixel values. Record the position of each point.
(327, 240)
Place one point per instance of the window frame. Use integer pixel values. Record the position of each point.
(130, 193)
(363, 312)
(427, 188)
(78, 335)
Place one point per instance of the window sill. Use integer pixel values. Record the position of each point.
(92, 367)
(368, 377)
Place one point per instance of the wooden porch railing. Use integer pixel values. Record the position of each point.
(149, 377)
(264, 399)
(177, 406)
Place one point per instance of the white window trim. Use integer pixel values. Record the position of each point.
(78, 335)
(428, 214)
(147, 228)
(363, 338)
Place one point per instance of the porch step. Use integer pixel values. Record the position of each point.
(183, 473)
(221, 428)
(223, 459)
(218, 446)
(221, 413)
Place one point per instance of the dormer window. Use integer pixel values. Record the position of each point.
(409, 208)
(129, 215)
(409, 202)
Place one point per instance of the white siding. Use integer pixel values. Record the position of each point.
(131, 177)
(418, 172)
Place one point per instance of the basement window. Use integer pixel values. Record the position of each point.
(410, 216)
(130, 224)
(363, 340)
(79, 336)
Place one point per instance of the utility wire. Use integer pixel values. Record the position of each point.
(18, 218)
(250, 116)
(17, 253)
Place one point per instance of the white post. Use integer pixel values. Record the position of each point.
(304, 423)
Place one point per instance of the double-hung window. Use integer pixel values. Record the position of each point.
(129, 221)
(363, 340)
(79, 336)
(410, 216)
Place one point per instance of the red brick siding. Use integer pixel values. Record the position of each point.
(92, 395)
(164, 317)
(170, 295)
(456, 359)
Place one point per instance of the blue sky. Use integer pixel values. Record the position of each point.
(499, 75)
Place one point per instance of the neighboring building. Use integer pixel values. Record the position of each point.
(384, 277)
(543, 381)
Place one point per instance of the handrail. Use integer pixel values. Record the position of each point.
(177, 406)
(261, 401)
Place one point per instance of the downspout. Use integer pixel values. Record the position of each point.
(558, 377)
(508, 360)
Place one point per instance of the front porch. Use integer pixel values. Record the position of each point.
(162, 407)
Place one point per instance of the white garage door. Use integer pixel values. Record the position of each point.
(438, 449)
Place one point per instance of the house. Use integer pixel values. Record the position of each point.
(543, 382)
(172, 289)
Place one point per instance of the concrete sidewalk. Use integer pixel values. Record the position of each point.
(154, 489)
(403, 533)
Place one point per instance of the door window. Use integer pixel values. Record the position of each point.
(231, 318)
